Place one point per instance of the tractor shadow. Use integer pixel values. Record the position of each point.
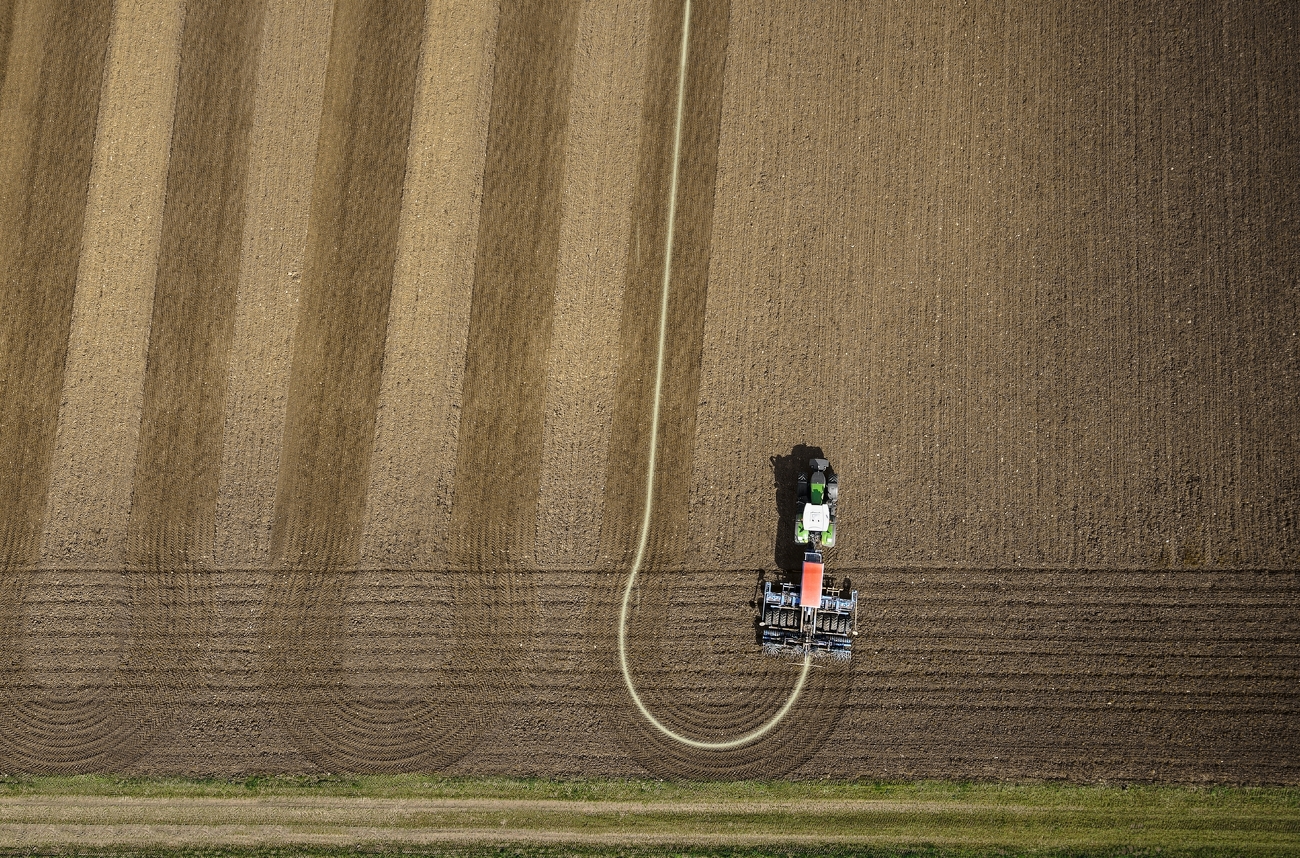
(787, 553)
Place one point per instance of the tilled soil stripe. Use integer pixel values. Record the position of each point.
(338, 348)
(780, 281)
(414, 461)
(48, 109)
(169, 530)
(171, 526)
(498, 461)
(492, 528)
(174, 496)
(599, 190)
(353, 239)
(99, 420)
(285, 128)
(48, 112)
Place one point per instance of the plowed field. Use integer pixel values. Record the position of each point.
(333, 378)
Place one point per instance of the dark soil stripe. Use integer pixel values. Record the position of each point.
(179, 458)
(6, 35)
(43, 214)
(333, 396)
(499, 456)
(352, 247)
(639, 325)
(44, 211)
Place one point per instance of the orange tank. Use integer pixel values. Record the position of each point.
(810, 595)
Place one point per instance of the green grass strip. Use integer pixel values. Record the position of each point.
(1044, 795)
(579, 851)
(635, 818)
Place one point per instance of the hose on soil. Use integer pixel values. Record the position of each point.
(757, 733)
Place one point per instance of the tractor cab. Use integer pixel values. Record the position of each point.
(818, 494)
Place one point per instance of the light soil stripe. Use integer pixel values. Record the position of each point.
(414, 457)
(173, 503)
(99, 420)
(498, 459)
(599, 189)
(647, 515)
(282, 150)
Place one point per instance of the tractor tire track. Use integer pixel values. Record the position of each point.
(668, 663)
(171, 530)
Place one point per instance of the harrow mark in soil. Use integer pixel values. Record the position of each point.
(104, 725)
(432, 717)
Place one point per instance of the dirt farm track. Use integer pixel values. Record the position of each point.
(329, 343)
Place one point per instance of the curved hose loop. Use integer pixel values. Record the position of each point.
(758, 732)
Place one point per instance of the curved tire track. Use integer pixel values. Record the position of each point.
(748, 728)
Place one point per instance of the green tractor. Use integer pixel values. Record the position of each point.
(814, 521)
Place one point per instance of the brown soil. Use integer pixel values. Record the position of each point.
(411, 469)
(282, 146)
(99, 417)
(50, 100)
(383, 317)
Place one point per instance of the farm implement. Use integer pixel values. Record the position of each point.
(814, 617)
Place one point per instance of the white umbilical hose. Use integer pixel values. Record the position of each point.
(763, 729)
